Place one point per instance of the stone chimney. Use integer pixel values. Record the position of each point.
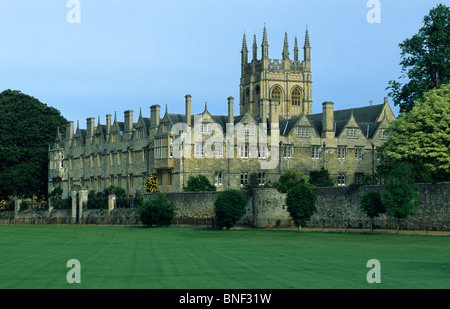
(188, 109)
(69, 130)
(327, 120)
(108, 124)
(154, 116)
(90, 126)
(230, 110)
(128, 125)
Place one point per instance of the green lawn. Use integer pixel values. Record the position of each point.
(35, 256)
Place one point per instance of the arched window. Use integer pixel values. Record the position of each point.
(296, 97)
(276, 93)
(256, 96)
(246, 100)
(247, 96)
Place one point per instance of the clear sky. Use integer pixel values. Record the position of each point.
(131, 54)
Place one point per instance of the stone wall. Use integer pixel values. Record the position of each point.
(194, 208)
(197, 208)
(337, 207)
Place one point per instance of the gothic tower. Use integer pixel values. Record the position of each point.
(266, 82)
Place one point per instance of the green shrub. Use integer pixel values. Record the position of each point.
(321, 178)
(289, 179)
(229, 208)
(198, 184)
(66, 203)
(99, 200)
(156, 210)
(55, 198)
(400, 193)
(372, 205)
(301, 204)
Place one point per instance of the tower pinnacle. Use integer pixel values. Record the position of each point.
(295, 50)
(255, 48)
(285, 47)
(265, 45)
(244, 50)
(307, 44)
(307, 47)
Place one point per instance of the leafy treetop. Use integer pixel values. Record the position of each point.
(425, 60)
(27, 128)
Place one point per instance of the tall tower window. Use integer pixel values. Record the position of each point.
(256, 96)
(247, 100)
(296, 97)
(276, 93)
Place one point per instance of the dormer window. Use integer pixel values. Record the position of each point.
(383, 134)
(139, 133)
(303, 132)
(206, 128)
(250, 129)
(352, 133)
(164, 127)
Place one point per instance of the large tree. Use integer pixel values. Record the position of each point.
(27, 127)
(425, 60)
(422, 138)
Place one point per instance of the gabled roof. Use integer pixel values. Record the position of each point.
(286, 125)
(365, 117)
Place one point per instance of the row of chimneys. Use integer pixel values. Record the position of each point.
(327, 118)
(91, 125)
(154, 119)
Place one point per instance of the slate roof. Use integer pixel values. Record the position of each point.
(366, 118)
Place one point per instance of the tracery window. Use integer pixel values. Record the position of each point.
(296, 97)
(276, 93)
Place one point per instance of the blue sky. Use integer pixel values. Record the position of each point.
(131, 54)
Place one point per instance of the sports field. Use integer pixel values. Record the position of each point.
(36, 256)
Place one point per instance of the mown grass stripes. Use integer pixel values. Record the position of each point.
(35, 256)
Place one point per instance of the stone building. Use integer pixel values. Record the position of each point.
(275, 131)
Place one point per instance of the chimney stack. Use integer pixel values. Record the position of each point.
(90, 126)
(69, 130)
(128, 125)
(154, 116)
(327, 120)
(188, 109)
(230, 110)
(108, 124)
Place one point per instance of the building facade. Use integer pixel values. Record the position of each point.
(275, 131)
